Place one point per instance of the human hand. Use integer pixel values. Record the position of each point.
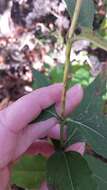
(17, 136)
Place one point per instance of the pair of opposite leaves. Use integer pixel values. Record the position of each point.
(87, 124)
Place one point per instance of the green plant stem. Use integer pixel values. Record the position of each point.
(67, 61)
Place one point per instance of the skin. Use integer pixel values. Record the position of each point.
(18, 137)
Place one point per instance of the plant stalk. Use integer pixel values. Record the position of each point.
(67, 62)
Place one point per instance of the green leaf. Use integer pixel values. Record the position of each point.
(81, 76)
(39, 80)
(93, 37)
(69, 171)
(88, 120)
(99, 169)
(56, 74)
(86, 14)
(29, 172)
(46, 114)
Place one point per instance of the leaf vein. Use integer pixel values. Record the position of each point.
(68, 169)
(83, 125)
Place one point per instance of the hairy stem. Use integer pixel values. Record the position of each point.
(67, 61)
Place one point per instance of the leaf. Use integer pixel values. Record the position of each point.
(93, 37)
(88, 120)
(46, 114)
(29, 172)
(56, 74)
(86, 14)
(39, 80)
(99, 169)
(69, 171)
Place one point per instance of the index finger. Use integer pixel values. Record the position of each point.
(24, 110)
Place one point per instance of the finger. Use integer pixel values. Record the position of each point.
(31, 133)
(77, 147)
(73, 98)
(44, 186)
(41, 147)
(23, 111)
(54, 132)
(4, 178)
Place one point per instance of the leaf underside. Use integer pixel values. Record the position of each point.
(88, 120)
(69, 171)
(99, 171)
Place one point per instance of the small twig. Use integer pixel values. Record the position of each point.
(67, 61)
